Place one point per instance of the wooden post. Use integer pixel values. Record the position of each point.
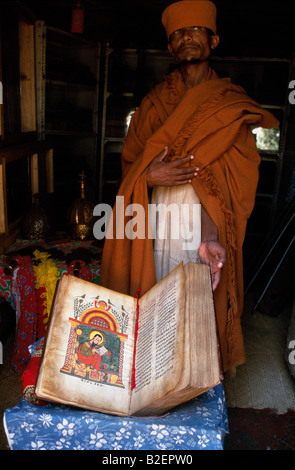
(34, 174)
(3, 202)
(49, 171)
(40, 58)
(1, 95)
(27, 77)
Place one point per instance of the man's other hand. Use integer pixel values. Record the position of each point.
(214, 255)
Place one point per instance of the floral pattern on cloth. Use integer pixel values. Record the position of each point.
(30, 374)
(23, 289)
(200, 424)
(67, 248)
(30, 287)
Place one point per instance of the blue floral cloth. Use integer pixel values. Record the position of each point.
(200, 424)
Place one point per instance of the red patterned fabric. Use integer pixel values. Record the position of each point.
(30, 374)
(20, 287)
(26, 312)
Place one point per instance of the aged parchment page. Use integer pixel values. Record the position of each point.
(81, 384)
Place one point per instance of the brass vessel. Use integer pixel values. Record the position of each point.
(80, 215)
(36, 223)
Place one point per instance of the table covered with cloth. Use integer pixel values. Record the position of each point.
(200, 424)
(33, 424)
(29, 271)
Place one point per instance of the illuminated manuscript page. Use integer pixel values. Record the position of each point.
(95, 388)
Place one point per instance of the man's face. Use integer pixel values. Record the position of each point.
(192, 44)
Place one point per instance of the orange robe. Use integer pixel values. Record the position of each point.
(212, 122)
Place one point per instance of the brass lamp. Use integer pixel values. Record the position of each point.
(80, 215)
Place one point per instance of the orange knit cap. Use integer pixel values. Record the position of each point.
(189, 13)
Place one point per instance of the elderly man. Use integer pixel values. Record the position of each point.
(190, 143)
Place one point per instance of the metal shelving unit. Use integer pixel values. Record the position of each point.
(68, 99)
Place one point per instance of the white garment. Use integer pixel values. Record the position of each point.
(177, 227)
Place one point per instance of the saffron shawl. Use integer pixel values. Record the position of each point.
(212, 122)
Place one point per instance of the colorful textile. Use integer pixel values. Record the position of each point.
(47, 275)
(26, 313)
(63, 255)
(29, 286)
(30, 374)
(200, 424)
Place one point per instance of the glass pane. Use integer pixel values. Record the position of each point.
(267, 139)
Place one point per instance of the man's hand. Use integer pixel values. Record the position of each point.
(214, 255)
(160, 173)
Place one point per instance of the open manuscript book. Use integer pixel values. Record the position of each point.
(111, 353)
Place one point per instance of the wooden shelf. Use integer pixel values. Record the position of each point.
(68, 106)
(62, 83)
(70, 133)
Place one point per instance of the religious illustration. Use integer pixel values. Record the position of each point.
(95, 350)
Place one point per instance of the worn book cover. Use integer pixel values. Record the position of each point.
(116, 354)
